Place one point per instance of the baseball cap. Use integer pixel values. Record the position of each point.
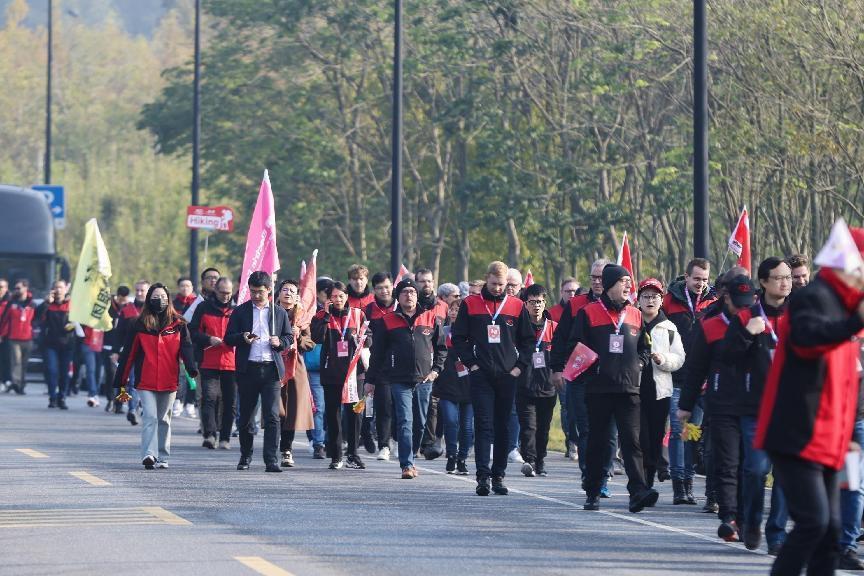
(651, 283)
(741, 290)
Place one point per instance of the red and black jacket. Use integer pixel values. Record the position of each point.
(182, 304)
(612, 372)
(211, 319)
(560, 351)
(685, 316)
(18, 318)
(375, 311)
(537, 382)
(327, 329)
(450, 385)
(156, 357)
(471, 338)
(441, 309)
(357, 300)
(112, 341)
(752, 355)
(54, 318)
(809, 405)
(556, 311)
(126, 320)
(704, 363)
(405, 349)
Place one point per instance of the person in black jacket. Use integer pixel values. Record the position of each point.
(57, 339)
(259, 331)
(409, 349)
(750, 343)
(492, 335)
(535, 393)
(382, 289)
(612, 328)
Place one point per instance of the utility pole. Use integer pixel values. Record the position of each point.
(700, 131)
(47, 164)
(196, 144)
(396, 184)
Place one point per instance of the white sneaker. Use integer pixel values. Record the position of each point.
(190, 411)
(515, 457)
(161, 464)
(224, 445)
(287, 459)
(383, 454)
(93, 401)
(177, 408)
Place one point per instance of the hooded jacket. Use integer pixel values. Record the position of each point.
(405, 349)
(156, 356)
(664, 339)
(684, 314)
(211, 319)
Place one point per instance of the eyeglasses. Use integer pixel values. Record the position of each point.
(573, 291)
(787, 278)
(596, 278)
(537, 302)
(211, 278)
(511, 285)
(289, 291)
(650, 296)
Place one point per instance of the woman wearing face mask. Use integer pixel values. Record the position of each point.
(155, 345)
(296, 395)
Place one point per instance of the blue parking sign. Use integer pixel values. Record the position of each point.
(56, 199)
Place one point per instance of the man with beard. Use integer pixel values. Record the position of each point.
(800, 266)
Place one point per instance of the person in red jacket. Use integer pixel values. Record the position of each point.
(58, 341)
(383, 304)
(216, 362)
(359, 294)
(156, 343)
(808, 409)
(569, 289)
(16, 328)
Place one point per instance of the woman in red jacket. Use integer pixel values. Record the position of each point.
(155, 345)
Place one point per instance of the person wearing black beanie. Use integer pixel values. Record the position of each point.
(612, 273)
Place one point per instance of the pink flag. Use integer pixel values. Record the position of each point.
(739, 241)
(403, 272)
(261, 253)
(308, 279)
(529, 278)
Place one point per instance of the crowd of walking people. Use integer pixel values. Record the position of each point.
(751, 380)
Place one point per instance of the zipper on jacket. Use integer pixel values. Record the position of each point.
(716, 382)
(747, 382)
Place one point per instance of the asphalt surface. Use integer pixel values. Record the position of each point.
(201, 516)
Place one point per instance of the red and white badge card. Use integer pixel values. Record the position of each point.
(580, 360)
(342, 348)
(493, 331)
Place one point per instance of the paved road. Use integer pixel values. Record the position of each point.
(202, 516)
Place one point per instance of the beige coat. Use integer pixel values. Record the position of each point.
(296, 409)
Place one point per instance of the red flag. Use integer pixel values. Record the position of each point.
(308, 279)
(529, 279)
(625, 260)
(261, 253)
(739, 241)
(403, 272)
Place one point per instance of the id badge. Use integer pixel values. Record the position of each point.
(461, 370)
(342, 349)
(538, 359)
(493, 331)
(616, 343)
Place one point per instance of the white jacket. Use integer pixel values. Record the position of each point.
(666, 341)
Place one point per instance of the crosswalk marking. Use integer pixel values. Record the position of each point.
(90, 478)
(46, 518)
(31, 453)
(262, 566)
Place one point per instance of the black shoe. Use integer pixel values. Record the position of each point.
(688, 492)
(498, 486)
(451, 465)
(209, 442)
(118, 408)
(540, 468)
(483, 486)
(663, 475)
(272, 468)
(244, 463)
(649, 477)
(432, 452)
(337, 464)
(645, 500)
(752, 537)
(52, 403)
(728, 531)
(369, 444)
(149, 462)
(61, 404)
(710, 506)
(132, 417)
(319, 453)
(678, 494)
(592, 502)
(461, 468)
(774, 550)
(355, 462)
(849, 561)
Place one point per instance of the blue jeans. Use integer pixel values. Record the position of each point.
(458, 427)
(94, 369)
(753, 475)
(682, 463)
(577, 413)
(513, 441)
(422, 392)
(57, 361)
(316, 436)
(852, 503)
(403, 397)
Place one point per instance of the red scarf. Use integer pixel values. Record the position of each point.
(849, 296)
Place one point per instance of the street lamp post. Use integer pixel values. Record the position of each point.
(700, 131)
(396, 184)
(196, 144)
(47, 161)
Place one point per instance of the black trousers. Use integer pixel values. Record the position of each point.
(813, 497)
(109, 370)
(434, 428)
(286, 439)
(725, 459)
(219, 388)
(259, 380)
(653, 417)
(624, 410)
(334, 413)
(535, 418)
(5, 361)
(382, 403)
(492, 397)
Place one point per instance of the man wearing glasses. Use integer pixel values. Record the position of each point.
(569, 289)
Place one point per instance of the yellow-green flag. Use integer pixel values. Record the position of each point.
(90, 292)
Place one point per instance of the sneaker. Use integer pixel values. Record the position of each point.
(224, 445)
(515, 457)
(572, 451)
(287, 459)
(528, 470)
(369, 443)
(177, 408)
(592, 503)
(752, 537)
(337, 464)
(711, 506)
(498, 486)
(244, 463)
(93, 402)
(190, 411)
(483, 486)
(61, 404)
(728, 531)
(149, 462)
(4, 387)
(617, 467)
(132, 417)
(451, 465)
(320, 453)
(461, 468)
(540, 468)
(604, 492)
(849, 561)
(409, 473)
(355, 462)
(383, 454)
(774, 550)
(209, 442)
(161, 464)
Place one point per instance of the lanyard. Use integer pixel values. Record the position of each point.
(344, 324)
(540, 338)
(690, 301)
(725, 318)
(768, 323)
(498, 311)
(621, 316)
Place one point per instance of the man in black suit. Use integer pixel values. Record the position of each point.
(259, 332)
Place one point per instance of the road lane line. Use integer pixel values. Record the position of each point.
(262, 566)
(31, 453)
(90, 478)
(166, 516)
